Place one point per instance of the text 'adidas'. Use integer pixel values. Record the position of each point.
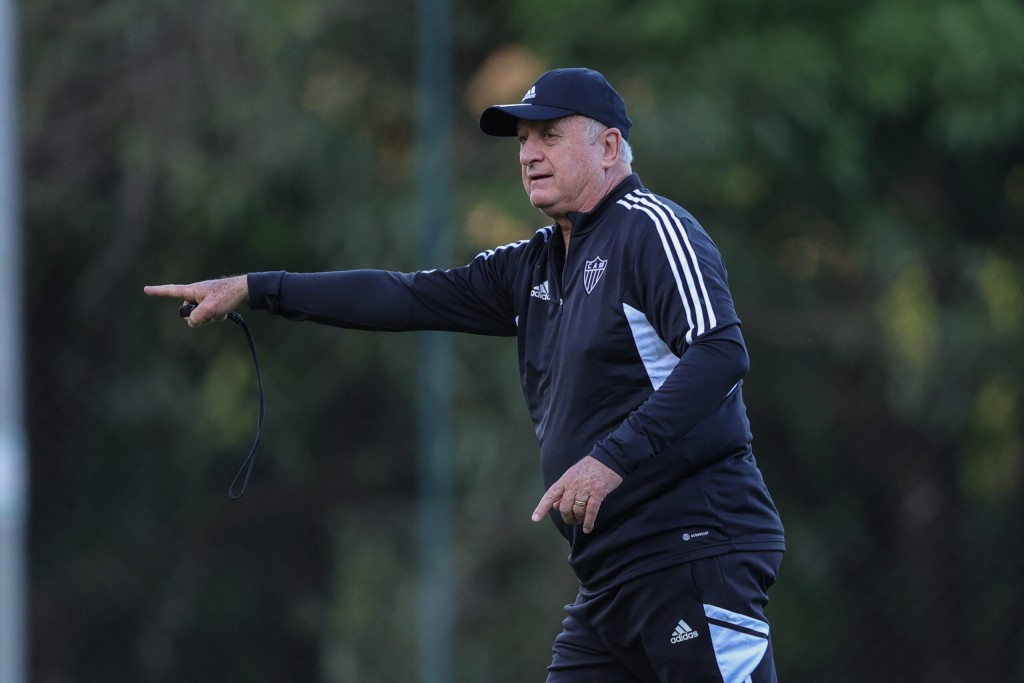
(683, 632)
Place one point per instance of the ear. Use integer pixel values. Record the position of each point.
(611, 144)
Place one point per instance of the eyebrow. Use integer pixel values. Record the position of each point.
(554, 125)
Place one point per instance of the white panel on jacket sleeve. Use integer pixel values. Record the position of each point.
(657, 357)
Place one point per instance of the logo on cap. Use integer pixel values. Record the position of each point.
(530, 94)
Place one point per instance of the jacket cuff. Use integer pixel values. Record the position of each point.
(265, 290)
(621, 466)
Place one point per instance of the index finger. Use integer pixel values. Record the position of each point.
(548, 500)
(177, 291)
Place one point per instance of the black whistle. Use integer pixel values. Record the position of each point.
(186, 310)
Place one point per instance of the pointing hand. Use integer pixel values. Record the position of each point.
(215, 298)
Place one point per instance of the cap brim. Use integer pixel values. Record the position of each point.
(500, 120)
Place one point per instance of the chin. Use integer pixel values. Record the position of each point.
(541, 203)
(545, 209)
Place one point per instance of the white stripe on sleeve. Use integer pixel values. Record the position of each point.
(700, 314)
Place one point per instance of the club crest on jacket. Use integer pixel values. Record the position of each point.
(592, 272)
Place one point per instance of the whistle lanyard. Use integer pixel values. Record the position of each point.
(250, 460)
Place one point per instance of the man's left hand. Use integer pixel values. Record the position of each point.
(578, 494)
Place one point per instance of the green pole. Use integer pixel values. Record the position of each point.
(433, 174)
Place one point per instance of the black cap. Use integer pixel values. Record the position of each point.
(559, 93)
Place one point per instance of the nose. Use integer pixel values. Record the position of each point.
(529, 151)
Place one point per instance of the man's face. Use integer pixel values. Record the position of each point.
(561, 165)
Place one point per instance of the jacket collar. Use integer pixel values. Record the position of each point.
(583, 221)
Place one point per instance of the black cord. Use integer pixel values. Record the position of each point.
(250, 459)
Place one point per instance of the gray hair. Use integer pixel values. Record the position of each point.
(595, 128)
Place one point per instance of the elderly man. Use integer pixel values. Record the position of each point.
(632, 363)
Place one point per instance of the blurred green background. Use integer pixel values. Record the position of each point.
(860, 165)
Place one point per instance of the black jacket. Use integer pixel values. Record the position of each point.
(629, 350)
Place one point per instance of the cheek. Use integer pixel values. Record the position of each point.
(572, 173)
